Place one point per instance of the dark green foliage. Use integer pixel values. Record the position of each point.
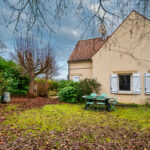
(88, 86)
(11, 74)
(54, 85)
(66, 83)
(70, 91)
(69, 94)
(3, 85)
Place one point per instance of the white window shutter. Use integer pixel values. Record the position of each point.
(147, 83)
(114, 83)
(136, 83)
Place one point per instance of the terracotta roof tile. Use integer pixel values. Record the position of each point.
(85, 49)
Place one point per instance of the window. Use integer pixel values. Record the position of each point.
(76, 78)
(124, 82)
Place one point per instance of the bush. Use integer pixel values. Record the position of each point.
(54, 85)
(3, 85)
(11, 74)
(88, 86)
(70, 91)
(43, 87)
(66, 83)
(68, 94)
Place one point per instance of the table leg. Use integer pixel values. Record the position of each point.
(107, 104)
(86, 106)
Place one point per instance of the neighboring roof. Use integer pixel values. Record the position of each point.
(85, 49)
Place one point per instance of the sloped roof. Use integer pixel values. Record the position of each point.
(85, 49)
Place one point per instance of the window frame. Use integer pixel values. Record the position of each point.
(76, 77)
(131, 85)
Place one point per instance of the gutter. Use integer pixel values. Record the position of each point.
(79, 60)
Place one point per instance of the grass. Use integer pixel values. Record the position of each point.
(10, 108)
(52, 118)
(60, 117)
(76, 124)
(140, 116)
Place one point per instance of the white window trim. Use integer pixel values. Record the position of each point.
(133, 90)
(76, 77)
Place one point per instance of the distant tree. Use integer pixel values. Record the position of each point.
(34, 60)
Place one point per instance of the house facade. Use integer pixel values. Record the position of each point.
(121, 62)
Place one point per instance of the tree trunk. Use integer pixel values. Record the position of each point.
(31, 87)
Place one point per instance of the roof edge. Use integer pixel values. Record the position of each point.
(91, 39)
(87, 40)
(80, 60)
(139, 14)
(121, 24)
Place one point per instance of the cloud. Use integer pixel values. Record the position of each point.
(63, 41)
(75, 33)
(71, 32)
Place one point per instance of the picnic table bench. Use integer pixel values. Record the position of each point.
(92, 99)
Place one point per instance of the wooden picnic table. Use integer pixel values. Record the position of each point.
(100, 100)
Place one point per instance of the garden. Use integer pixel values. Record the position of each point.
(69, 126)
(55, 118)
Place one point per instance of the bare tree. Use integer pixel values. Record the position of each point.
(37, 13)
(34, 60)
(3, 47)
(52, 69)
(46, 14)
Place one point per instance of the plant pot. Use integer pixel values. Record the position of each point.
(6, 97)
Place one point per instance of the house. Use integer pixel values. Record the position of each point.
(121, 62)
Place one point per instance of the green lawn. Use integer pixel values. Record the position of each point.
(66, 126)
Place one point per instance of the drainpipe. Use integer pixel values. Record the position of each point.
(68, 71)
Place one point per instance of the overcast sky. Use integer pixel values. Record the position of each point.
(63, 40)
